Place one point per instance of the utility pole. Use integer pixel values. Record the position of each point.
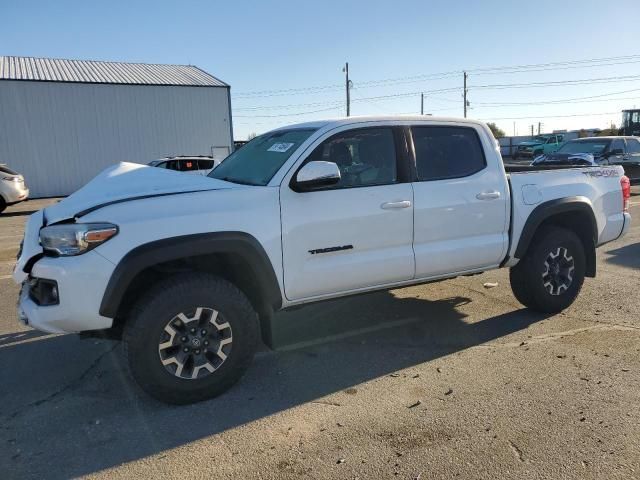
(514, 129)
(347, 86)
(465, 94)
(532, 130)
(422, 104)
(539, 123)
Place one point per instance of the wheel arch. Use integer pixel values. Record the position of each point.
(574, 213)
(236, 256)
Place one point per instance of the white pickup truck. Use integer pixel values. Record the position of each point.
(189, 270)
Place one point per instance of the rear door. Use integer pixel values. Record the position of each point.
(461, 201)
(632, 162)
(356, 234)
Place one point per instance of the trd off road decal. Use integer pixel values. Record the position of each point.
(605, 172)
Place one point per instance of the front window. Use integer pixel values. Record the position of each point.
(540, 139)
(365, 157)
(594, 147)
(260, 159)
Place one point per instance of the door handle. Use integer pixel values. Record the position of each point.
(488, 195)
(400, 204)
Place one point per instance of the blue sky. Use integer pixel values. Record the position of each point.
(292, 45)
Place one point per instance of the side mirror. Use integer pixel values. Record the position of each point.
(316, 175)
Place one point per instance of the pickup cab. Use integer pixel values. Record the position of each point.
(188, 271)
(538, 145)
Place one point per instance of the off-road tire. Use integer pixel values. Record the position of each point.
(528, 276)
(145, 327)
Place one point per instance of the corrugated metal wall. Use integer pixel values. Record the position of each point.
(60, 135)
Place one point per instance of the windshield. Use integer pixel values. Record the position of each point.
(259, 160)
(540, 139)
(595, 147)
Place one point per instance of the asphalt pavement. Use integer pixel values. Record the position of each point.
(446, 380)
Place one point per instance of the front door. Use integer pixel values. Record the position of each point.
(460, 202)
(356, 234)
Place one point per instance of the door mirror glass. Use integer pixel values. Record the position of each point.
(317, 174)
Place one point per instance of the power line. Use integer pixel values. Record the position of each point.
(586, 63)
(553, 116)
(556, 64)
(288, 114)
(562, 100)
(501, 86)
(587, 99)
(499, 105)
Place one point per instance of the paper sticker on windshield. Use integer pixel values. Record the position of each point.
(280, 147)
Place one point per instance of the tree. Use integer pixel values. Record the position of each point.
(251, 136)
(610, 131)
(496, 130)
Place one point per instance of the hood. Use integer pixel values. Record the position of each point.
(125, 182)
(566, 158)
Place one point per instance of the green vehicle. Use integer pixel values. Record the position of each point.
(538, 145)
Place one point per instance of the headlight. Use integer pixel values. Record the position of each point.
(75, 238)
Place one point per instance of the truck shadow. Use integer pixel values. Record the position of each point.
(17, 213)
(70, 410)
(627, 256)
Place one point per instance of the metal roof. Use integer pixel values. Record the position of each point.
(89, 71)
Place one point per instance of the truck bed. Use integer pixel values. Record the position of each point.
(516, 168)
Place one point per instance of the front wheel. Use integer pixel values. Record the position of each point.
(190, 338)
(550, 276)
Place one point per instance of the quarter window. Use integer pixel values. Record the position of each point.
(205, 164)
(365, 157)
(447, 152)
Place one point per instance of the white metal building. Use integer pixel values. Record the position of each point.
(63, 121)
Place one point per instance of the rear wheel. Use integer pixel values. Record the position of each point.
(550, 276)
(3, 205)
(190, 338)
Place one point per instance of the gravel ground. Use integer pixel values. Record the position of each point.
(448, 380)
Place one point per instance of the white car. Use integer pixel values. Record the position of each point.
(12, 188)
(189, 270)
(194, 165)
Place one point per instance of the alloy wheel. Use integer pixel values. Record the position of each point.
(558, 274)
(195, 344)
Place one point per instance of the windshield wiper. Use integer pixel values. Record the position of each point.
(235, 180)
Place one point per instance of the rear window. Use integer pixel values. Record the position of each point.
(633, 145)
(447, 152)
(7, 170)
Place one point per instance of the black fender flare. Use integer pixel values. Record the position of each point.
(550, 208)
(175, 248)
